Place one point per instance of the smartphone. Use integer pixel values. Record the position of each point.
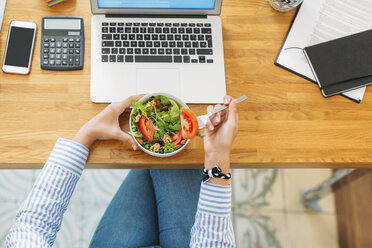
(19, 47)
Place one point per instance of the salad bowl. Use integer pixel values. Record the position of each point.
(143, 100)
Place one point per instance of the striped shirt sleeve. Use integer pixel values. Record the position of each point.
(213, 227)
(40, 216)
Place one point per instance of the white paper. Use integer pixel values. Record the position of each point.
(319, 21)
(2, 9)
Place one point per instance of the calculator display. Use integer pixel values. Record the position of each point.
(69, 24)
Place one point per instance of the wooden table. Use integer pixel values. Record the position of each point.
(285, 122)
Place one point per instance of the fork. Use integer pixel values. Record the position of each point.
(202, 119)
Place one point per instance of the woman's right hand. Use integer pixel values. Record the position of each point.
(221, 130)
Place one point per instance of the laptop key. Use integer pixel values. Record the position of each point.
(207, 25)
(118, 43)
(160, 50)
(183, 24)
(160, 24)
(199, 25)
(154, 59)
(145, 51)
(185, 37)
(120, 30)
(104, 23)
(177, 59)
(132, 37)
(112, 30)
(168, 51)
(104, 29)
(133, 43)
(141, 44)
(129, 50)
(128, 24)
(147, 37)
(154, 37)
(137, 24)
(183, 51)
(135, 30)
(105, 50)
(170, 37)
(120, 23)
(104, 58)
(201, 59)
(189, 30)
(137, 51)
(172, 44)
(164, 44)
(186, 59)
(153, 51)
(143, 30)
(192, 51)
(177, 37)
(179, 44)
(158, 30)
(162, 37)
(156, 43)
(209, 61)
(128, 58)
(148, 43)
(194, 61)
(105, 37)
(174, 30)
(150, 30)
(203, 44)
(206, 30)
(128, 30)
(204, 51)
(187, 44)
(120, 58)
(107, 43)
(176, 51)
(112, 23)
(124, 37)
(114, 51)
(122, 50)
(144, 24)
(112, 58)
(125, 43)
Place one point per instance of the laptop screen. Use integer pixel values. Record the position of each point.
(157, 4)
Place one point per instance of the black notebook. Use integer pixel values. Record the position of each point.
(343, 64)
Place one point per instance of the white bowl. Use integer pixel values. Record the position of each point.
(160, 155)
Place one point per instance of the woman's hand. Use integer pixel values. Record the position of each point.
(105, 125)
(221, 130)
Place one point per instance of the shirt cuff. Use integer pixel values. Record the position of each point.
(215, 199)
(69, 155)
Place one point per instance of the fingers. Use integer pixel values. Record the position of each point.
(227, 99)
(122, 136)
(121, 106)
(233, 113)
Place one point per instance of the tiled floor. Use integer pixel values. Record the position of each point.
(266, 210)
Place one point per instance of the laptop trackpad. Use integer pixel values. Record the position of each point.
(158, 80)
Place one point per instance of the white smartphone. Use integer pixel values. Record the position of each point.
(19, 47)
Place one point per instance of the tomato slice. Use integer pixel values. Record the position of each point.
(176, 138)
(146, 127)
(189, 123)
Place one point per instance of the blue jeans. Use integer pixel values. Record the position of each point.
(151, 208)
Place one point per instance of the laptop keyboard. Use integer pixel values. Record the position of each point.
(146, 42)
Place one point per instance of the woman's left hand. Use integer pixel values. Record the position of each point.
(105, 125)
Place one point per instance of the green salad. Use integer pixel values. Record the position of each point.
(156, 124)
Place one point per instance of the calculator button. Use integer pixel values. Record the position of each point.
(46, 45)
(59, 50)
(71, 45)
(104, 58)
(77, 40)
(45, 62)
(46, 40)
(64, 56)
(58, 56)
(64, 62)
(52, 45)
(71, 59)
(46, 50)
(65, 40)
(77, 45)
(71, 51)
(77, 51)
(77, 60)
(58, 62)
(46, 56)
(59, 45)
(52, 50)
(65, 50)
(71, 40)
(53, 40)
(52, 56)
(51, 62)
(65, 45)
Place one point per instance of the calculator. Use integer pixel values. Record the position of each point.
(62, 43)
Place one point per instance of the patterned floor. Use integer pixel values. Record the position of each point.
(267, 212)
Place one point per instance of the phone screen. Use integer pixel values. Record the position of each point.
(19, 46)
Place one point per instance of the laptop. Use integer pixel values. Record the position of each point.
(148, 46)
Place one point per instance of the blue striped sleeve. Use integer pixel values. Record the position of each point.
(213, 227)
(40, 216)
